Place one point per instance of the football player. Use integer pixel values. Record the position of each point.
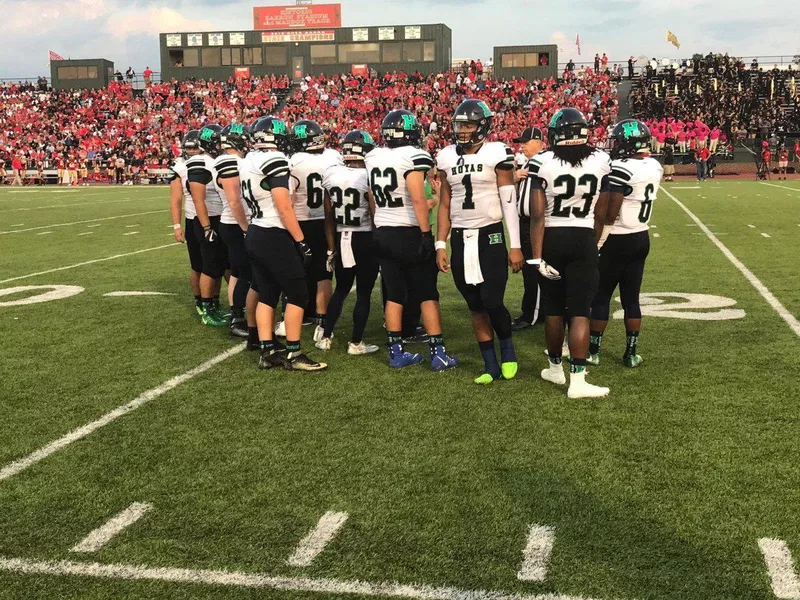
(634, 183)
(403, 237)
(349, 235)
(569, 198)
(234, 221)
(477, 194)
(279, 254)
(307, 167)
(179, 192)
(208, 205)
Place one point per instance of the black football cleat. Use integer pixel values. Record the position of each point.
(301, 362)
(273, 359)
(520, 323)
(239, 329)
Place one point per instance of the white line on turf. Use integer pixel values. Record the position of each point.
(688, 187)
(314, 543)
(31, 459)
(751, 226)
(778, 558)
(111, 528)
(17, 225)
(86, 233)
(150, 212)
(131, 233)
(71, 204)
(44, 233)
(790, 319)
(255, 580)
(125, 294)
(658, 235)
(134, 225)
(536, 555)
(766, 235)
(88, 262)
(95, 225)
(781, 187)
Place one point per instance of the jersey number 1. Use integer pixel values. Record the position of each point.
(468, 204)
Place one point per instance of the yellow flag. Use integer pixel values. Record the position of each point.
(673, 39)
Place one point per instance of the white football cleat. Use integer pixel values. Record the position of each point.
(564, 351)
(554, 374)
(361, 348)
(324, 344)
(579, 388)
(280, 329)
(319, 333)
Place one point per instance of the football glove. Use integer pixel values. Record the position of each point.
(304, 250)
(209, 234)
(330, 264)
(604, 236)
(426, 245)
(545, 270)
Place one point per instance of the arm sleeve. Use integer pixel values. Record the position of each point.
(278, 181)
(199, 174)
(508, 197)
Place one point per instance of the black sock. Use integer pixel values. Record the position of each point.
(595, 339)
(630, 347)
(267, 345)
(577, 365)
(198, 301)
(435, 341)
(489, 358)
(395, 337)
(555, 360)
(216, 301)
(207, 304)
(293, 348)
(252, 335)
(321, 319)
(237, 314)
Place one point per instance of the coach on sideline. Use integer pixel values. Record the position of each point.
(532, 143)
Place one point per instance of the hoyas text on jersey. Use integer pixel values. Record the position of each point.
(473, 168)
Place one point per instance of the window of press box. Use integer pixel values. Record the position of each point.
(412, 51)
(191, 58)
(252, 56)
(359, 53)
(429, 51)
(231, 57)
(275, 55)
(211, 57)
(323, 54)
(67, 72)
(176, 58)
(392, 52)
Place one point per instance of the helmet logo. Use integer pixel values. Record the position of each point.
(554, 120)
(409, 122)
(237, 128)
(631, 129)
(485, 109)
(300, 131)
(278, 127)
(206, 134)
(367, 138)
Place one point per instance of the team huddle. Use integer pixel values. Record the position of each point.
(285, 214)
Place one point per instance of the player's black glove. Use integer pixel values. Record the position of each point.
(426, 245)
(209, 234)
(304, 250)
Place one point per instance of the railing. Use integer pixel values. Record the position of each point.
(137, 82)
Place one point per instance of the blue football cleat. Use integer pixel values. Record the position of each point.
(440, 361)
(399, 358)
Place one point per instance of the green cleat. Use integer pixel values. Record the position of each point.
(594, 359)
(199, 309)
(509, 370)
(632, 360)
(484, 379)
(213, 319)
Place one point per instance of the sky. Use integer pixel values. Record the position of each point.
(127, 32)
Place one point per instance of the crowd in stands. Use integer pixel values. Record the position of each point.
(717, 98)
(99, 128)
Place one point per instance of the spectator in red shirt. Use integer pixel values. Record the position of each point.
(701, 160)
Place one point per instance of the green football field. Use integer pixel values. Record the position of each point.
(143, 456)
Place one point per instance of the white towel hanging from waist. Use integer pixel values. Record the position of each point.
(472, 261)
(348, 260)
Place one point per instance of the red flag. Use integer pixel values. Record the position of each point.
(54, 56)
(578, 43)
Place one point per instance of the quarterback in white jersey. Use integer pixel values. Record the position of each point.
(276, 246)
(307, 167)
(477, 194)
(185, 231)
(625, 243)
(351, 254)
(569, 199)
(403, 236)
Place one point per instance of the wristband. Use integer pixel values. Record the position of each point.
(176, 226)
(534, 261)
(440, 245)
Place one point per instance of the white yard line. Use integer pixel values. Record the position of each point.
(131, 233)
(766, 235)
(16, 467)
(657, 235)
(86, 233)
(778, 558)
(111, 528)
(88, 262)
(536, 555)
(134, 225)
(751, 226)
(234, 579)
(126, 294)
(44, 233)
(71, 204)
(314, 543)
(150, 212)
(782, 187)
(790, 319)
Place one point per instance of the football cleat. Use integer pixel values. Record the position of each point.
(239, 329)
(554, 374)
(593, 359)
(199, 309)
(440, 361)
(324, 344)
(361, 348)
(509, 370)
(213, 319)
(319, 333)
(632, 360)
(417, 338)
(272, 358)
(280, 329)
(307, 321)
(253, 345)
(399, 358)
(520, 323)
(485, 379)
(300, 362)
(579, 388)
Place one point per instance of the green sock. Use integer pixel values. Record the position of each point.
(630, 346)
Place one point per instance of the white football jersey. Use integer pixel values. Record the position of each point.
(305, 184)
(475, 199)
(639, 180)
(348, 189)
(387, 168)
(181, 172)
(204, 164)
(255, 170)
(572, 192)
(227, 165)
